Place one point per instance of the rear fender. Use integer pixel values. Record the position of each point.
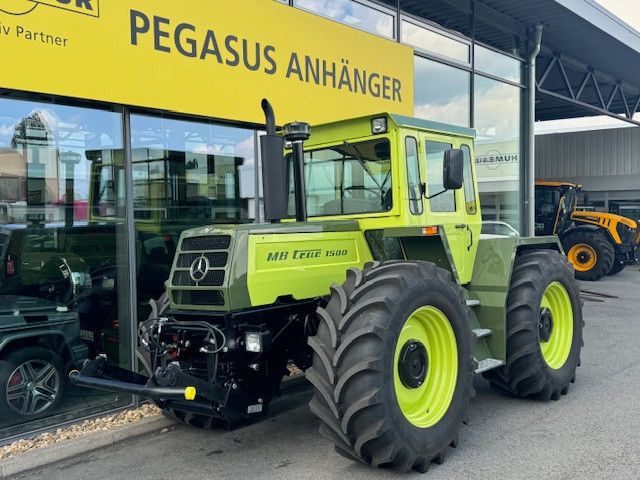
(492, 278)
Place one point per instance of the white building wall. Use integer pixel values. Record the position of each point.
(601, 160)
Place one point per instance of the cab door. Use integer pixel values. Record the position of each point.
(447, 208)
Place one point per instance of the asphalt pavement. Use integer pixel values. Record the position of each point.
(592, 433)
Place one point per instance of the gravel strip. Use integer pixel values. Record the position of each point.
(109, 422)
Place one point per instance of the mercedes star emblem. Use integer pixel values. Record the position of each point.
(199, 268)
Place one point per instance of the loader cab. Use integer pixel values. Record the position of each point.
(555, 202)
(390, 173)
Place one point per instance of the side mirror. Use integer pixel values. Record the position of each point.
(452, 178)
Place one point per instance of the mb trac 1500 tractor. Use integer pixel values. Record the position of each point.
(596, 243)
(371, 275)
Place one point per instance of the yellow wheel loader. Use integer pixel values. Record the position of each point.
(596, 243)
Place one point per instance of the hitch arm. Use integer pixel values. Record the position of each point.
(155, 393)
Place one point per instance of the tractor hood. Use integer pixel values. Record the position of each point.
(234, 267)
(601, 217)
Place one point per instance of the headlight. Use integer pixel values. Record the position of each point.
(379, 125)
(253, 342)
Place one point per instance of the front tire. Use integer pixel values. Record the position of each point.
(392, 365)
(544, 328)
(590, 253)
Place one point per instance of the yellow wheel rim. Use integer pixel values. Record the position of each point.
(583, 257)
(556, 325)
(424, 404)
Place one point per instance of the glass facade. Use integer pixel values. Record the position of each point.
(354, 14)
(497, 149)
(68, 213)
(442, 92)
(185, 174)
(497, 64)
(63, 265)
(437, 43)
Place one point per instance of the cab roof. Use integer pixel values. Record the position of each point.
(361, 126)
(550, 183)
(412, 122)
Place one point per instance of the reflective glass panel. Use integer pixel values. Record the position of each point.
(63, 269)
(441, 92)
(351, 13)
(498, 65)
(497, 149)
(434, 42)
(185, 174)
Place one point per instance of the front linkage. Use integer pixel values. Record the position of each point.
(207, 368)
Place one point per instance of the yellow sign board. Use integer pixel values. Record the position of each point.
(210, 58)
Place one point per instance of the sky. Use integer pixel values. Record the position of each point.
(629, 12)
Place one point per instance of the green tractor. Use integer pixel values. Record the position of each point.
(372, 276)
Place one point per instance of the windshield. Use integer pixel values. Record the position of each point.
(349, 178)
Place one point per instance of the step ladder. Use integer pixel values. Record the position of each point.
(480, 333)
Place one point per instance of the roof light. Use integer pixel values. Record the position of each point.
(379, 125)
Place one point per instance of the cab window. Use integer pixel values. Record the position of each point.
(469, 185)
(349, 178)
(445, 202)
(413, 175)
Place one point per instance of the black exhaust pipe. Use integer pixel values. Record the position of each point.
(270, 118)
(274, 168)
(296, 133)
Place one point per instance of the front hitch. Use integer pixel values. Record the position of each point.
(100, 375)
(168, 383)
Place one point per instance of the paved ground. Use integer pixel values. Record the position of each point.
(594, 432)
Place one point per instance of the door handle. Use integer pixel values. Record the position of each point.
(461, 226)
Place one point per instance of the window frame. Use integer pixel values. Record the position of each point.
(413, 202)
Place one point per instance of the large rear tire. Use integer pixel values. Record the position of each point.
(544, 328)
(590, 253)
(392, 365)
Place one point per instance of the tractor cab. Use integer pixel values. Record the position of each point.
(392, 172)
(555, 204)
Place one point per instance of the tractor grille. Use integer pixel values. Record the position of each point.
(198, 297)
(211, 242)
(214, 278)
(216, 259)
(193, 251)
